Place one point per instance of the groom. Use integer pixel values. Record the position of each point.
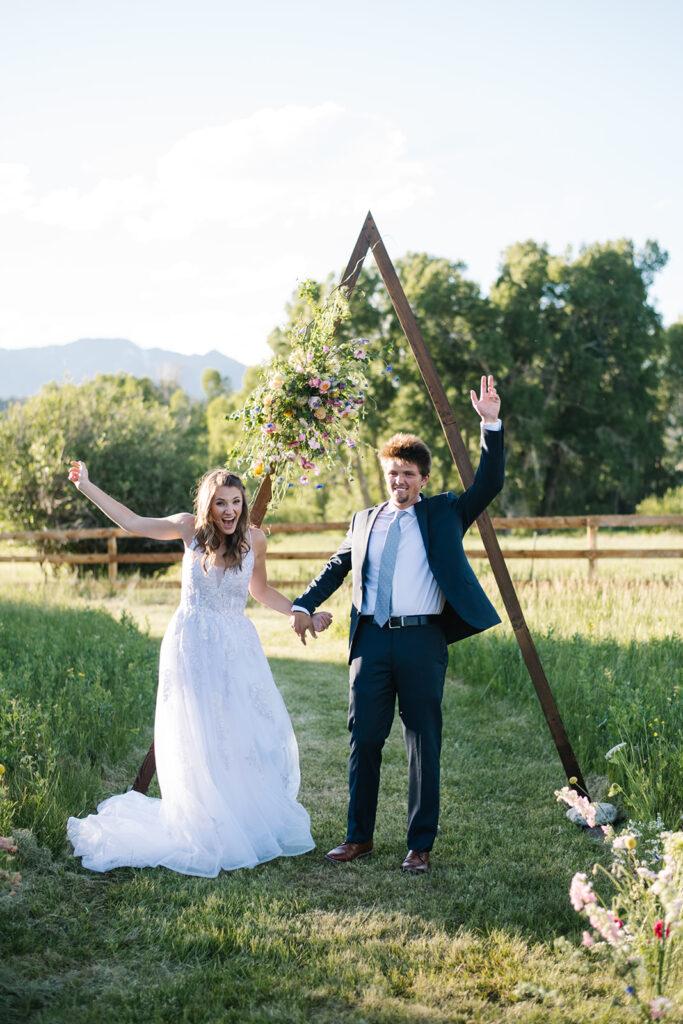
(413, 594)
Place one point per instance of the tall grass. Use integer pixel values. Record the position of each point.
(76, 688)
(615, 666)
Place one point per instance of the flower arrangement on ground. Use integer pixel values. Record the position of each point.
(304, 412)
(642, 925)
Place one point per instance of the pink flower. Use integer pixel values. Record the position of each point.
(314, 382)
(324, 385)
(580, 803)
(587, 939)
(660, 1006)
(659, 930)
(581, 892)
(303, 479)
(360, 353)
(326, 349)
(269, 428)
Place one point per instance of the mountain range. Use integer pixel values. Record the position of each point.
(24, 371)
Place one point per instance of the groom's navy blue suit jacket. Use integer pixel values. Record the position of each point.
(443, 522)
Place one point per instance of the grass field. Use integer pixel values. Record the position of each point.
(479, 939)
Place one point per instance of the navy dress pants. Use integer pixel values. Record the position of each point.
(409, 663)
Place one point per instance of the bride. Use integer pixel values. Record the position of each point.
(226, 755)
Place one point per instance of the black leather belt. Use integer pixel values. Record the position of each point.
(397, 621)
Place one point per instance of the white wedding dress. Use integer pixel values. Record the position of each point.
(226, 755)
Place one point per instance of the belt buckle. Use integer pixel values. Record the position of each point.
(399, 617)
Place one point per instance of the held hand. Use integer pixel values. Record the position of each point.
(321, 621)
(488, 403)
(78, 474)
(302, 623)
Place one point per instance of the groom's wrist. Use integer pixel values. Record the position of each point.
(300, 608)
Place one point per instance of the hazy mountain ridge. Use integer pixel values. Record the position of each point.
(24, 371)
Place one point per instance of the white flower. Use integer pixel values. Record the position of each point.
(612, 751)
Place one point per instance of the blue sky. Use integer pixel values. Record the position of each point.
(169, 171)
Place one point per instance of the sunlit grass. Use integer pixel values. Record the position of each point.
(303, 940)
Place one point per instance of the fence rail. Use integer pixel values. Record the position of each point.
(113, 558)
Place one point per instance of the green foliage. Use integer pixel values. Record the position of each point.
(303, 411)
(76, 687)
(142, 446)
(587, 375)
(669, 504)
(215, 386)
(581, 377)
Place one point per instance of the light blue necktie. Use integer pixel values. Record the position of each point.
(387, 564)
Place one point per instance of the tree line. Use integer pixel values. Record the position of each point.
(590, 381)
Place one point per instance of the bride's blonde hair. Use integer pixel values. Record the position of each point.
(206, 534)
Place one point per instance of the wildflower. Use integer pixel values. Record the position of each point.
(630, 991)
(324, 386)
(314, 382)
(313, 442)
(360, 353)
(673, 912)
(659, 930)
(660, 1006)
(269, 428)
(626, 841)
(276, 380)
(581, 803)
(257, 467)
(608, 926)
(2, 770)
(326, 349)
(320, 414)
(587, 939)
(303, 479)
(581, 892)
(314, 402)
(612, 751)
(319, 487)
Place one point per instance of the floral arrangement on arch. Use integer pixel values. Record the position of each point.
(305, 411)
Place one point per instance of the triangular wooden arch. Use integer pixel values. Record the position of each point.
(369, 239)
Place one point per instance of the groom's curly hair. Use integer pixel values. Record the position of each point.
(408, 448)
(206, 534)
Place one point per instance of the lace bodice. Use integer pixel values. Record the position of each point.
(220, 591)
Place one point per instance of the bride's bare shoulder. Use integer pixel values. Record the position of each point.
(258, 539)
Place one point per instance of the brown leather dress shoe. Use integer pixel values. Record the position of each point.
(417, 862)
(349, 851)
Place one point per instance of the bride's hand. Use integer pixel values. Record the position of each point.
(321, 620)
(78, 474)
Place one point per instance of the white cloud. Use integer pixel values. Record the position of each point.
(278, 164)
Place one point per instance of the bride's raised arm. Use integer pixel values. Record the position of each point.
(179, 526)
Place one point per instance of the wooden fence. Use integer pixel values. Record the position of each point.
(113, 558)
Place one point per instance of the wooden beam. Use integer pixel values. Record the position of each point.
(466, 472)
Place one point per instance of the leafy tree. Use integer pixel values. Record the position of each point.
(581, 378)
(214, 385)
(145, 452)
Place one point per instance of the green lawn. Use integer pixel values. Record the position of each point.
(306, 940)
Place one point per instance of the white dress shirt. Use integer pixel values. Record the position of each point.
(414, 589)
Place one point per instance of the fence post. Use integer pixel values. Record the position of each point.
(112, 568)
(592, 532)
